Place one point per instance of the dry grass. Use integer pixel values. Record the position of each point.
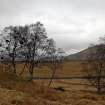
(35, 94)
(70, 68)
(29, 93)
(16, 91)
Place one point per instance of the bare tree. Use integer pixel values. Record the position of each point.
(55, 58)
(29, 44)
(94, 67)
(10, 44)
(36, 45)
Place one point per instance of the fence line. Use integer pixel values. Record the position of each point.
(73, 77)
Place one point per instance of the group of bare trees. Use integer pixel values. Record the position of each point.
(94, 66)
(29, 44)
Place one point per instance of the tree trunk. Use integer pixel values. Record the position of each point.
(13, 59)
(53, 74)
(99, 84)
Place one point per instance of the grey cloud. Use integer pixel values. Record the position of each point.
(74, 24)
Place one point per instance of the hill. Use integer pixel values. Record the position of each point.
(82, 55)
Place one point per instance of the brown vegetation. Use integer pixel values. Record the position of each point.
(16, 91)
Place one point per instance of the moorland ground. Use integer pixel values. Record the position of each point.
(77, 91)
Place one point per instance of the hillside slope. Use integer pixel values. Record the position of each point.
(82, 55)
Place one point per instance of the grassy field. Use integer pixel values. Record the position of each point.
(70, 68)
(77, 91)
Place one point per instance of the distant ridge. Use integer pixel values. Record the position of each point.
(82, 55)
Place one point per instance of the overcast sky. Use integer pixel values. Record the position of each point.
(73, 24)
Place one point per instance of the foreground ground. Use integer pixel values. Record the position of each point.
(31, 93)
(15, 91)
